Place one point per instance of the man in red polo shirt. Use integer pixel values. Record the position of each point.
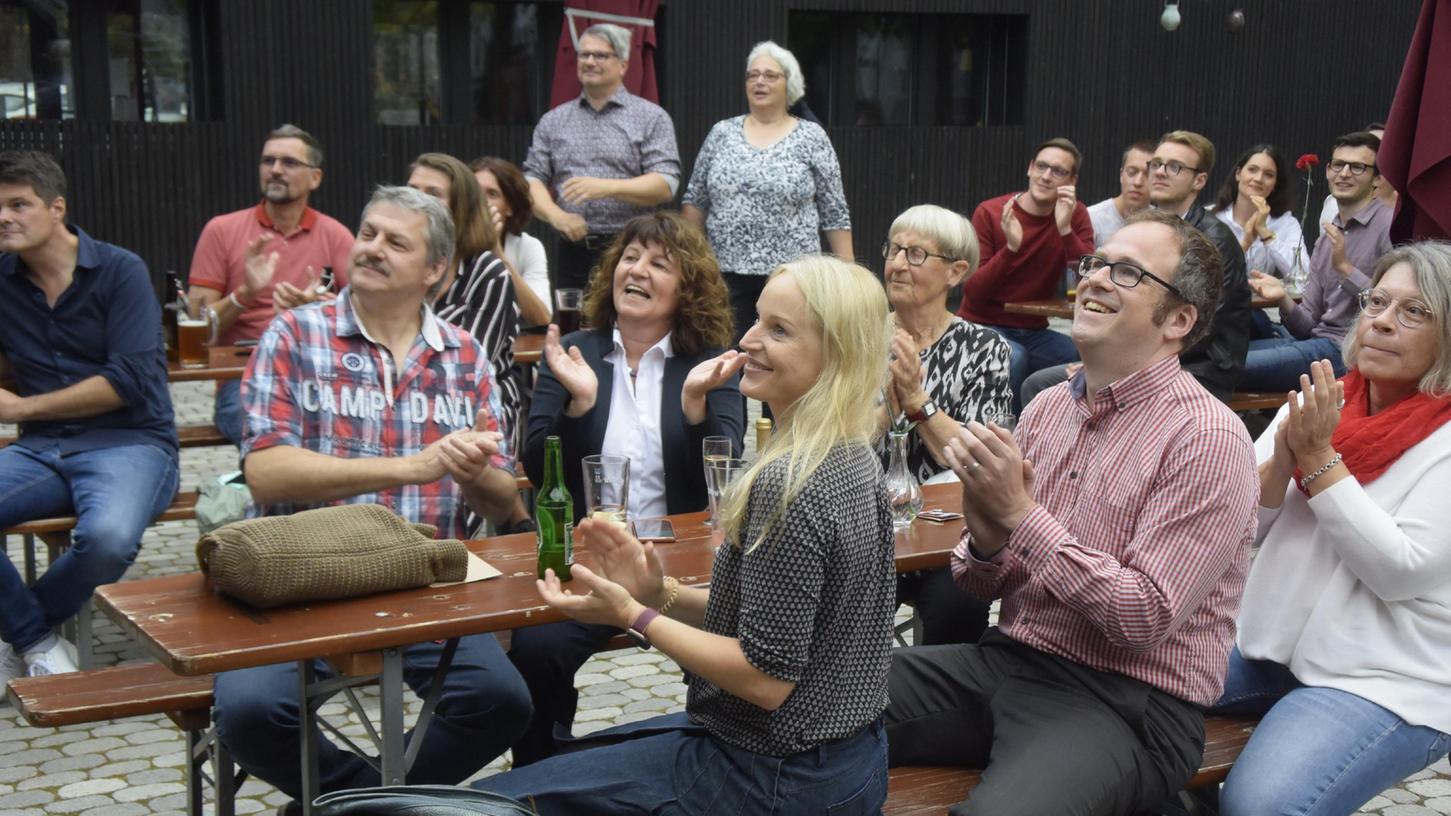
(251, 262)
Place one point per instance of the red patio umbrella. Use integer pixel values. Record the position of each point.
(1415, 155)
(636, 15)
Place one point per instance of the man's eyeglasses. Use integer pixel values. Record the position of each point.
(769, 76)
(1411, 313)
(595, 56)
(1357, 169)
(916, 256)
(1172, 168)
(287, 162)
(1123, 273)
(1053, 170)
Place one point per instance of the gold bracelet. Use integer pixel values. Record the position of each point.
(674, 585)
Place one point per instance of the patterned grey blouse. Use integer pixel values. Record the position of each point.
(966, 374)
(765, 206)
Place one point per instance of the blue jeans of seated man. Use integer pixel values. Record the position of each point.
(484, 705)
(671, 765)
(227, 413)
(1033, 349)
(1275, 364)
(1317, 751)
(114, 494)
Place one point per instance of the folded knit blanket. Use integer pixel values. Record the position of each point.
(331, 552)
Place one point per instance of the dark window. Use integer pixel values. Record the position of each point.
(457, 62)
(123, 60)
(35, 61)
(912, 69)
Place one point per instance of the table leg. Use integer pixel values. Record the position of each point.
(390, 697)
(308, 723)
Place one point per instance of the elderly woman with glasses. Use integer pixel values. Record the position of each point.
(767, 184)
(945, 372)
(1346, 615)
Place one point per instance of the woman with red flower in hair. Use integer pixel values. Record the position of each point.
(1346, 619)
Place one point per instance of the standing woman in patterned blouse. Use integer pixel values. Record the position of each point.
(476, 295)
(945, 372)
(767, 184)
(787, 651)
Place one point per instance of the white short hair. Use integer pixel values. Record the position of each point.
(616, 36)
(795, 83)
(949, 230)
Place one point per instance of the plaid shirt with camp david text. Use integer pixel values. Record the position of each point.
(318, 382)
(1135, 558)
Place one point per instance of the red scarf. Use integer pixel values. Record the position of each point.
(1370, 444)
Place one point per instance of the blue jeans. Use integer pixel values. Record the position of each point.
(670, 765)
(547, 657)
(1318, 751)
(113, 492)
(484, 705)
(1275, 364)
(1034, 349)
(227, 413)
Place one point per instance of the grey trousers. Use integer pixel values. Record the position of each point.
(1050, 735)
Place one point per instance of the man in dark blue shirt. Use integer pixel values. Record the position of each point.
(85, 367)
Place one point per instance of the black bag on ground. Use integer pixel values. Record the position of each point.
(418, 800)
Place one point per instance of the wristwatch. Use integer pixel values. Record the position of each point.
(924, 413)
(637, 629)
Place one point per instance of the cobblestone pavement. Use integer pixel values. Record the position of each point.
(134, 766)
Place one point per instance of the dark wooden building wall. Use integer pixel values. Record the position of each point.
(1101, 72)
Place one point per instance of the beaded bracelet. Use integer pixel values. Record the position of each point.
(1325, 468)
(674, 585)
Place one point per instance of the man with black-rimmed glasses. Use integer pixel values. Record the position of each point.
(1340, 268)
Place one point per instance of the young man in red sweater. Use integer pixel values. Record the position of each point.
(1029, 241)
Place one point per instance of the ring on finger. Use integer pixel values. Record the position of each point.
(975, 464)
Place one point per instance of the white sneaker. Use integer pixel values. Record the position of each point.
(11, 665)
(58, 659)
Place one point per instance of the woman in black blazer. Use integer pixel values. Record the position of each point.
(659, 304)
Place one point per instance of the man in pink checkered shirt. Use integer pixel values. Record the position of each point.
(372, 398)
(1116, 529)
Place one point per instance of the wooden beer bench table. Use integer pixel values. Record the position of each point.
(194, 631)
(1063, 307)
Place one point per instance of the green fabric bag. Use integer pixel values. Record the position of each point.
(221, 501)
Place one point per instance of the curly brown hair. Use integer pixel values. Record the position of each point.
(703, 317)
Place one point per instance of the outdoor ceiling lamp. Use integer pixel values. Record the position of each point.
(1170, 18)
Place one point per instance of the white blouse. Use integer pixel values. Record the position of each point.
(1352, 589)
(1275, 257)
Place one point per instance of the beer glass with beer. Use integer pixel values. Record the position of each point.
(568, 309)
(195, 330)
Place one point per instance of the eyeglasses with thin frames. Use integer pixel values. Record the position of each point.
(595, 56)
(769, 76)
(1054, 171)
(1123, 273)
(287, 162)
(1171, 167)
(1410, 313)
(916, 256)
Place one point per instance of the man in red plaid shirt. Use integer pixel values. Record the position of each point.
(373, 399)
(1116, 530)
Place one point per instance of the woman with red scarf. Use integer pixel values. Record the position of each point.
(1345, 631)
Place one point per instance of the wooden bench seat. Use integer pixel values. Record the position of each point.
(131, 690)
(189, 436)
(1254, 401)
(918, 791)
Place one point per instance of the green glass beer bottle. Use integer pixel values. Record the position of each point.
(554, 515)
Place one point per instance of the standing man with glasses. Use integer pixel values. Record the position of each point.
(1340, 268)
(250, 263)
(1116, 530)
(1029, 240)
(600, 160)
(1133, 185)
